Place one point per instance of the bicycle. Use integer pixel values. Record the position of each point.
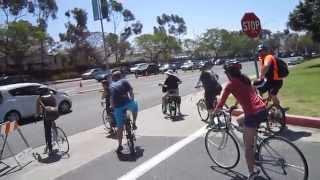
(107, 118)
(129, 132)
(272, 154)
(276, 121)
(171, 103)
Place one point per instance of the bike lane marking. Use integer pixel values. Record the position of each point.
(165, 154)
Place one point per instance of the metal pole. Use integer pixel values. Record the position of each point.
(104, 44)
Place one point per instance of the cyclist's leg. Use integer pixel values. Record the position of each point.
(165, 100)
(47, 130)
(251, 123)
(133, 107)
(276, 86)
(118, 114)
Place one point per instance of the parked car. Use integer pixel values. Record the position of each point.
(101, 75)
(13, 79)
(137, 66)
(166, 67)
(295, 61)
(188, 66)
(219, 62)
(18, 101)
(89, 74)
(205, 64)
(147, 69)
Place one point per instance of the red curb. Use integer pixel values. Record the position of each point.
(304, 121)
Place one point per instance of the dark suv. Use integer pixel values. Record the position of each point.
(147, 69)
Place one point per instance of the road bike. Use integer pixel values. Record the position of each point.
(277, 157)
(107, 118)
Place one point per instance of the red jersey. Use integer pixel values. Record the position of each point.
(246, 95)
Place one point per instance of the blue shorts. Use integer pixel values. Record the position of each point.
(119, 112)
(254, 120)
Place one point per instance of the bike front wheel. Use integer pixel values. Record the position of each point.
(106, 119)
(281, 159)
(222, 148)
(60, 140)
(130, 137)
(202, 110)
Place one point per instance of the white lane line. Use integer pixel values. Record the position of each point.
(148, 165)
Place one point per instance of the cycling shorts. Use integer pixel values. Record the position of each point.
(271, 86)
(254, 120)
(119, 112)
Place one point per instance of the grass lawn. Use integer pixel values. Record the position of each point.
(301, 89)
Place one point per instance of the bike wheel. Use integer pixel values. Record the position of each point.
(60, 140)
(276, 119)
(281, 159)
(173, 108)
(130, 137)
(202, 110)
(222, 148)
(106, 119)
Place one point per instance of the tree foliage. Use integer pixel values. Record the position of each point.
(171, 24)
(306, 16)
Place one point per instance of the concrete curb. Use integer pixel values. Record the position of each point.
(303, 121)
(90, 90)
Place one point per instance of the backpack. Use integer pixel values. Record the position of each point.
(283, 70)
(212, 84)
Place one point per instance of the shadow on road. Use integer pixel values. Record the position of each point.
(54, 157)
(131, 158)
(233, 174)
(180, 117)
(295, 135)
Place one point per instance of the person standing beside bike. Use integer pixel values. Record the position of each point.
(171, 86)
(211, 87)
(253, 106)
(46, 106)
(122, 99)
(269, 71)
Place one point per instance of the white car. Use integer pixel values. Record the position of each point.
(18, 101)
(137, 66)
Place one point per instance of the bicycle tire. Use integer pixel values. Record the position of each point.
(172, 108)
(276, 121)
(202, 107)
(232, 149)
(286, 148)
(130, 137)
(60, 140)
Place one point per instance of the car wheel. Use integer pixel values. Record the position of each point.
(12, 116)
(64, 107)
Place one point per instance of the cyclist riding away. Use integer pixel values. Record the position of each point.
(211, 86)
(106, 98)
(269, 71)
(255, 112)
(171, 86)
(46, 105)
(122, 99)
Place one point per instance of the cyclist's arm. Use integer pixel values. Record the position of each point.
(225, 94)
(131, 94)
(265, 67)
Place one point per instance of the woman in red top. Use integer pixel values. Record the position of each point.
(254, 108)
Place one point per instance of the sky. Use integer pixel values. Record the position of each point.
(199, 15)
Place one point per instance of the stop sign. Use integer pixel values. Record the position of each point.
(251, 25)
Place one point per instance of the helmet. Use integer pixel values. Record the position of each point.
(232, 66)
(262, 47)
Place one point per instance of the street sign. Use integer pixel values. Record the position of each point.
(251, 25)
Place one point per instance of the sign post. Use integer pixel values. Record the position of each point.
(251, 26)
(98, 15)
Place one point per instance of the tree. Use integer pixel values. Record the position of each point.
(306, 16)
(115, 13)
(18, 39)
(77, 35)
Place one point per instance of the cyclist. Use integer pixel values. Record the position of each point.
(171, 86)
(255, 112)
(269, 71)
(46, 105)
(211, 86)
(122, 99)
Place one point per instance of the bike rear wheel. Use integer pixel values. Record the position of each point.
(222, 148)
(276, 119)
(173, 108)
(281, 159)
(130, 137)
(202, 110)
(60, 140)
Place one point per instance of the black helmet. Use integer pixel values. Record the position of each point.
(232, 66)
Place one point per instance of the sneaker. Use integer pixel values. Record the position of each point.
(119, 150)
(134, 126)
(253, 175)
